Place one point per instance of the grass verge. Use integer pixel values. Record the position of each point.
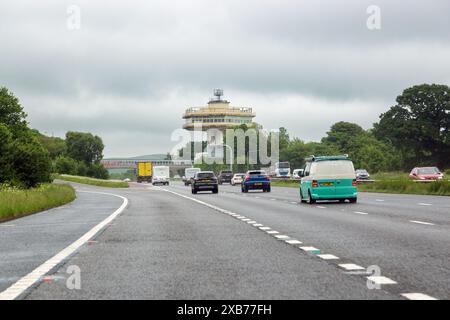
(439, 188)
(390, 183)
(15, 203)
(92, 181)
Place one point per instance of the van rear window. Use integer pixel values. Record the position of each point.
(333, 167)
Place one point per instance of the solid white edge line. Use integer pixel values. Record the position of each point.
(23, 284)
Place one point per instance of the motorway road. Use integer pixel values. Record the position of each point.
(170, 244)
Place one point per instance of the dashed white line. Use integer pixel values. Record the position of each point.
(257, 225)
(30, 279)
(321, 207)
(293, 241)
(351, 266)
(422, 222)
(281, 237)
(328, 257)
(310, 249)
(417, 296)
(265, 228)
(381, 280)
(424, 204)
(272, 232)
(379, 200)
(251, 222)
(360, 212)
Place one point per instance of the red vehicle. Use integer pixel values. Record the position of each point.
(426, 173)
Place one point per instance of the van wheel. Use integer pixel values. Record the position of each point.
(311, 200)
(353, 200)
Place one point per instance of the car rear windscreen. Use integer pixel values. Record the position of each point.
(205, 175)
(256, 173)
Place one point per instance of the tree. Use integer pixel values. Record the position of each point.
(98, 171)
(66, 165)
(54, 145)
(342, 133)
(5, 150)
(11, 112)
(84, 147)
(30, 162)
(418, 125)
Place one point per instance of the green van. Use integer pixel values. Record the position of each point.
(328, 178)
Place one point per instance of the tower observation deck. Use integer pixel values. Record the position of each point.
(218, 114)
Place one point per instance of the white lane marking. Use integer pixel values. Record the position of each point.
(272, 232)
(381, 280)
(424, 204)
(293, 241)
(257, 225)
(251, 222)
(7, 225)
(417, 296)
(293, 202)
(379, 200)
(281, 237)
(351, 266)
(422, 222)
(273, 199)
(256, 197)
(265, 228)
(321, 207)
(360, 212)
(246, 219)
(327, 257)
(18, 288)
(310, 249)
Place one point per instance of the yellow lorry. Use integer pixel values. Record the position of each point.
(144, 171)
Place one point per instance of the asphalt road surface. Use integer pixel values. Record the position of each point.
(170, 244)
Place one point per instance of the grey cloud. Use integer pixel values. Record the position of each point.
(134, 67)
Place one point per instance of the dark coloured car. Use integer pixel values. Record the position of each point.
(256, 180)
(225, 176)
(204, 181)
(362, 174)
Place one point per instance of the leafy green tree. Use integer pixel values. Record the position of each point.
(66, 165)
(11, 112)
(5, 150)
(342, 133)
(84, 147)
(30, 162)
(418, 125)
(98, 171)
(54, 145)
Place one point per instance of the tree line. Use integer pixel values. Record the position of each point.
(28, 158)
(413, 132)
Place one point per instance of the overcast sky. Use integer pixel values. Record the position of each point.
(132, 67)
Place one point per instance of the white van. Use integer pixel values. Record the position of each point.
(161, 175)
(189, 174)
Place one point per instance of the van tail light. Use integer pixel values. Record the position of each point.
(315, 184)
(354, 184)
